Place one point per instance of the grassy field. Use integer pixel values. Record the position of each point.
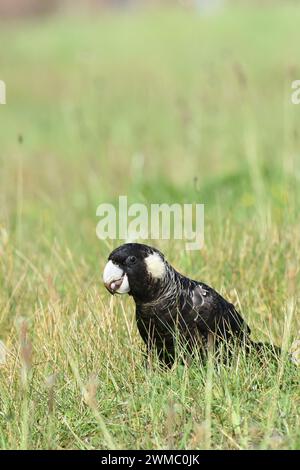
(164, 106)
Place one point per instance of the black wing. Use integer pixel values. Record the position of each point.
(210, 312)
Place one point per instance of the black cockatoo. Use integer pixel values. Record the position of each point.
(172, 308)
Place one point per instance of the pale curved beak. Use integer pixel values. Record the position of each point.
(113, 286)
(114, 278)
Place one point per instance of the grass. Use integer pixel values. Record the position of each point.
(165, 107)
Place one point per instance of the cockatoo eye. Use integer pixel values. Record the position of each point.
(131, 260)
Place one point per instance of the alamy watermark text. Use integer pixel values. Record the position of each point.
(152, 221)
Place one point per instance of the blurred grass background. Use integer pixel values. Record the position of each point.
(164, 104)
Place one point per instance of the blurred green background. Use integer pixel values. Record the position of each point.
(165, 103)
(171, 103)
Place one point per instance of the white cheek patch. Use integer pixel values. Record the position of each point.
(112, 272)
(155, 266)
